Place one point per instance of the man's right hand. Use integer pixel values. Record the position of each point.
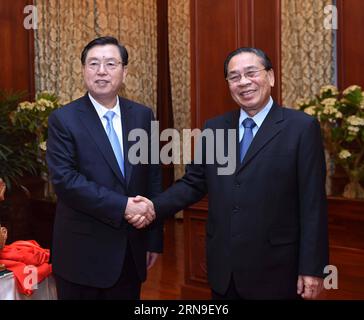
(139, 212)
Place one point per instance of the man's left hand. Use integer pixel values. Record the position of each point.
(309, 287)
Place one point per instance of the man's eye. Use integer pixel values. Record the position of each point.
(234, 78)
(250, 74)
(111, 64)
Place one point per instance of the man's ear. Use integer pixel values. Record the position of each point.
(125, 72)
(271, 77)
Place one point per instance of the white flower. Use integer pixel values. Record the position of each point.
(311, 110)
(344, 154)
(40, 108)
(351, 89)
(330, 102)
(44, 103)
(302, 102)
(26, 105)
(338, 115)
(329, 110)
(43, 145)
(353, 130)
(355, 121)
(328, 88)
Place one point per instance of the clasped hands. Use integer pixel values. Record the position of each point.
(139, 212)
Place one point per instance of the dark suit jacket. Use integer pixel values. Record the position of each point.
(90, 233)
(267, 222)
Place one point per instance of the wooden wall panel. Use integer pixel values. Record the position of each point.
(264, 18)
(17, 49)
(350, 43)
(213, 36)
(217, 28)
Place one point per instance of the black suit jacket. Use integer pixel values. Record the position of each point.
(267, 222)
(90, 233)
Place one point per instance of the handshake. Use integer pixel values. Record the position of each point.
(139, 212)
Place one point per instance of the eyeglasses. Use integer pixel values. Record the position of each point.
(236, 77)
(109, 65)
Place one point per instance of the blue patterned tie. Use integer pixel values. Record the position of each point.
(114, 140)
(248, 124)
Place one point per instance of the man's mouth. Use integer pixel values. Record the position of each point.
(247, 93)
(102, 82)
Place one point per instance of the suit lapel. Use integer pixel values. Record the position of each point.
(128, 124)
(271, 126)
(92, 123)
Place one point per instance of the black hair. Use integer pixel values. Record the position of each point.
(258, 52)
(102, 41)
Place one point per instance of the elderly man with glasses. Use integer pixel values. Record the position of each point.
(266, 232)
(96, 254)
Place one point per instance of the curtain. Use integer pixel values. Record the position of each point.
(307, 49)
(179, 55)
(66, 26)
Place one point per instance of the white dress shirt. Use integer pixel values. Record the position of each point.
(116, 121)
(258, 118)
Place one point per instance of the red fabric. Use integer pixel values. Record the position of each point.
(19, 254)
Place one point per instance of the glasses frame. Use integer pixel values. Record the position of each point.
(240, 75)
(103, 62)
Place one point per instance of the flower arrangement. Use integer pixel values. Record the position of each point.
(341, 116)
(17, 154)
(33, 117)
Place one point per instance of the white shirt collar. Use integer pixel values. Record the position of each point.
(259, 117)
(101, 110)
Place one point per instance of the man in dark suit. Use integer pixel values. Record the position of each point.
(96, 254)
(266, 233)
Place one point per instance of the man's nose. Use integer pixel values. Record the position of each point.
(102, 69)
(244, 80)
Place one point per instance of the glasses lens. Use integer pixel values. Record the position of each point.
(109, 65)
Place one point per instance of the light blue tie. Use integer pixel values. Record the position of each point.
(248, 124)
(114, 140)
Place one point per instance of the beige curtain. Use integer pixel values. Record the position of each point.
(66, 26)
(179, 55)
(307, 61)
